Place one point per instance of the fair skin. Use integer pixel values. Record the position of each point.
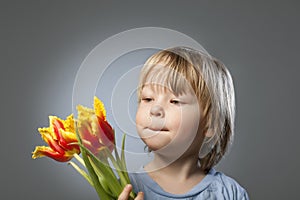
(169, 125)
(126, 192)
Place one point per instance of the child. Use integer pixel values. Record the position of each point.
(185, 117)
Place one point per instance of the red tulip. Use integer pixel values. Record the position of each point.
(60, 136)
(94, 130)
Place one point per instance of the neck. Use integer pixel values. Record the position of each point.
(182, 168)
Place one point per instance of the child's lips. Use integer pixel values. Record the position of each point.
(157, 129)
(149, 132)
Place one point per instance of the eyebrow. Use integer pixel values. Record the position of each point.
(151, 90)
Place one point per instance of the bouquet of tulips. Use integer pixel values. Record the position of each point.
(92, 136)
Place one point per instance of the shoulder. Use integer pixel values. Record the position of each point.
(229, 187)
(215, 185)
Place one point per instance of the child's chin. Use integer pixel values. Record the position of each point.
(156, 144)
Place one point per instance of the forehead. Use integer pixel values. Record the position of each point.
(156, 88)
(161, 77)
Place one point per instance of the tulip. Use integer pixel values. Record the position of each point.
(94, 138)
(61, 138)
(94, 130)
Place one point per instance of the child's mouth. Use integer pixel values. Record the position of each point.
(157, 129)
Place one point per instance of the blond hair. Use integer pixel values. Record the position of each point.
(212, 84)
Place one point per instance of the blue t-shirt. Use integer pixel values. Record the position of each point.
(215, 185)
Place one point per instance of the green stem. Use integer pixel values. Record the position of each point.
(82, 172)
(79, 159)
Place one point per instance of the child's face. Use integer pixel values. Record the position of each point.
(167, 122)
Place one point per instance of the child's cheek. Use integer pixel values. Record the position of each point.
(188, 124)
(138, 123)
(142, 117)
(175, 122)
(138, 117)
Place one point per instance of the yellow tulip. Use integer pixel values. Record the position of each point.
(61, 138)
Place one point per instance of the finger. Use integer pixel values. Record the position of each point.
(140, 196)
(125, 193)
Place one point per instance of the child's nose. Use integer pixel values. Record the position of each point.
(157, 111)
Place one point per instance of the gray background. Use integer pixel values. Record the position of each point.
(43, 43)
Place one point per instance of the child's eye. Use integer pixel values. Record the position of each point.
(147, 99)
(175, 101)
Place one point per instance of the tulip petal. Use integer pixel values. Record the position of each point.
(56, 124)
(84, 113)
(107, 135)
(47, 130)
(96, 129)
(88, 139)
(41, 151)
(68, 136)
(59, 129)
(47, 137)
(69, 124)
(99, 108)
(70, 142)
(62, 141)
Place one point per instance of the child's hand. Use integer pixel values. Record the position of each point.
(126, 191)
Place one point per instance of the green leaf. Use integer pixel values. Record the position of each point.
(100, 191)
(101, 178)
(117, 154)
(120, 166)
(123, 153)
(117, 166)
(123, 161)
(104, 170)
